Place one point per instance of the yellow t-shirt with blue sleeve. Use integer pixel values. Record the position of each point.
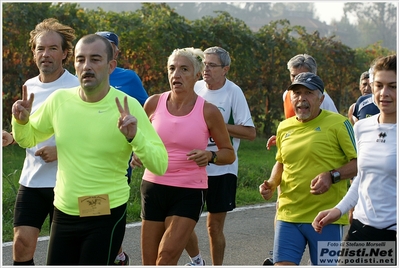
(92, 152)
(306, 150)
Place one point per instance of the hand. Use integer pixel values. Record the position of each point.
(266, 189)
(21, 108)
(135, 162)
(7, 138)
(271, 142)
(324, 218)
(127, 123)
(199, 156)
(321, 183)
(47, 153)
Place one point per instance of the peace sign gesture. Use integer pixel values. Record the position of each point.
(127, 123)
(21, 108)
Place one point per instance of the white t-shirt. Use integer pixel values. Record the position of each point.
(233, 105)
(35, 172)
(374, 189)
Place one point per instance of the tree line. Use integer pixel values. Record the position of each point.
(150, 34)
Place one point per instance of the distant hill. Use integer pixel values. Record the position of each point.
(255, 16)
(258, 14)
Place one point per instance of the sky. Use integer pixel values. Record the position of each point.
(326, 11)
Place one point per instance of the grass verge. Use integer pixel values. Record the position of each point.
(255, 164)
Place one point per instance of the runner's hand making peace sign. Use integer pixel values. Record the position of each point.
(127, 123)
(21, 108)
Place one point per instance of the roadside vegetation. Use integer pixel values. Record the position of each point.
(149, 35)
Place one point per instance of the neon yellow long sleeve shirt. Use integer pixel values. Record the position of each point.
(92, 152)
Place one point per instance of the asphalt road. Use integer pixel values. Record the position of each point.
(248, 230)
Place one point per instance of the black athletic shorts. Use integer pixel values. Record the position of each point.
(32, 206)
(361, 232)
(95, 240)
(221, 196)
(161, 201)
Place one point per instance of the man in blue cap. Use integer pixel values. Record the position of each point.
(316, 153)
(124, 79)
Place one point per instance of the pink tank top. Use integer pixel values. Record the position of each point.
(181, 134)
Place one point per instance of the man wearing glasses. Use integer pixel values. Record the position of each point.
(222, 180)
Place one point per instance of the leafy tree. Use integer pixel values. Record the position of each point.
(163, 31)
(128, 26)
(276, 45)
(149, 35)
(335, 65)
(72, 15)
(233, 35)
(364, 58)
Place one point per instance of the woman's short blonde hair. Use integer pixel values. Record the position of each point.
(195, 55)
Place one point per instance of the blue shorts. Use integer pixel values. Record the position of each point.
(291, 239)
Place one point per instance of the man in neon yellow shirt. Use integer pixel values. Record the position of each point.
(95, 135)
(315, 153)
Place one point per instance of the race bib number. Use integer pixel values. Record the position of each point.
(95, 205)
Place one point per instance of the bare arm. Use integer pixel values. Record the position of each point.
(151, 104)
(322, 182)
(267, 188)
(241, 132)
(149, 107)
(352, 118)
(349, 170)
(219, 133)
(271, 142)
(325, 217)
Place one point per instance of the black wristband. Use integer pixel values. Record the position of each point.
(213, 158)
(13, 140)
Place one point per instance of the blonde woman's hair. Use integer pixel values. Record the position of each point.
(195, 55)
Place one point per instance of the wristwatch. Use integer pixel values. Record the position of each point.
(213, 158)
(335, 176)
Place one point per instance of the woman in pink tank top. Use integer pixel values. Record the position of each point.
(172, 203)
